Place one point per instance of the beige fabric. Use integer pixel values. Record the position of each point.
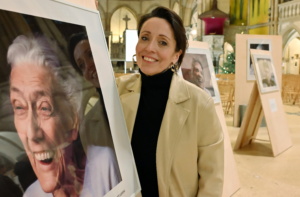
(190, 153)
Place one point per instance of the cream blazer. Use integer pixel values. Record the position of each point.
(190, 151)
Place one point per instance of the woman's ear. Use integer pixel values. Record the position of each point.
(177, 55)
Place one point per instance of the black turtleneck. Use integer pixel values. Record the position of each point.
(153, 100)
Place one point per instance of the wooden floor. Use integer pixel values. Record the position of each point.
(261, 174)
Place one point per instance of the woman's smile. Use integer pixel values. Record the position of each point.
(44, 156)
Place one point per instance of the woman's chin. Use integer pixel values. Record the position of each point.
(49, 187)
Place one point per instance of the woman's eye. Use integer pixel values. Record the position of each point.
(144, 38)
(45, 109)
(19, 109)
(81, 65)
(163, 43)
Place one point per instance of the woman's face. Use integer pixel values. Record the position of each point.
(267, 71)
(44, 121)
(198, 77)
(155, 50)
(84, 60)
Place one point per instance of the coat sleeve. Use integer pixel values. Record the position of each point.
(101, 172)
(210, 152)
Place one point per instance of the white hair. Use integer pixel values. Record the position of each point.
(43, 52)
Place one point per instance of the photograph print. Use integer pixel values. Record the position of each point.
(198, 69)
(53, 107)
(265, 71)
(259, 44)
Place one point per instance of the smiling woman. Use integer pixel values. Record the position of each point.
(45, 115)
(168, 117)
(46, 100)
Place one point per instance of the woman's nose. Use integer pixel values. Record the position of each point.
(150, 45)
(35, 133)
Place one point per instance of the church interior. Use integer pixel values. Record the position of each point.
(223, 25)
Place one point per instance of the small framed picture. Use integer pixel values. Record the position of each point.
(260, 44)
(197, 68)
(264, 71)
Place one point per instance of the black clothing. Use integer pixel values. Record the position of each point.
(152, 104)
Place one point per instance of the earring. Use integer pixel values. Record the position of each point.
(174, 68)
(134, 59)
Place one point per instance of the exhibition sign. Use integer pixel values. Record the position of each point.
(49, 120)
(265, 101)
(244, 85)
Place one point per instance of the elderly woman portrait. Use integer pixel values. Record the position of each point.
(267, 75)
(46, 99)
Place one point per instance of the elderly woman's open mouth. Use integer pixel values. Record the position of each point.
(45, 157)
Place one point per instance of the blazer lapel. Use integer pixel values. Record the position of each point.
(173, 121)
(130, 102)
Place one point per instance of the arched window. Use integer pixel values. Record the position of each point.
(121, 19)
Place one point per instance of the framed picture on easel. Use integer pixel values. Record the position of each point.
(197, 68)
(260, 44)
(265, 71)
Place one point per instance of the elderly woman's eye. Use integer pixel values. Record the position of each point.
(45, 109)
(19, 108)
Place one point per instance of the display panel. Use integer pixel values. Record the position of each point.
(197, 68)
(62, 123)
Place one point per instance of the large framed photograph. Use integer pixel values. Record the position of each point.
(62, 130)
(264, 71)
(260, 44)
(197, 68)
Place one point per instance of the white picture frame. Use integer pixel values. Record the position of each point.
(203, 57)
(265, 73)
(262, 44)
(70, 14)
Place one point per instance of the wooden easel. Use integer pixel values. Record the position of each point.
(268, 105)
(243, 87)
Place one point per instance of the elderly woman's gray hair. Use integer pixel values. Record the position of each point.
(41, 51)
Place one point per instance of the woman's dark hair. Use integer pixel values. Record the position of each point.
(176, 23)
(73, 41)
